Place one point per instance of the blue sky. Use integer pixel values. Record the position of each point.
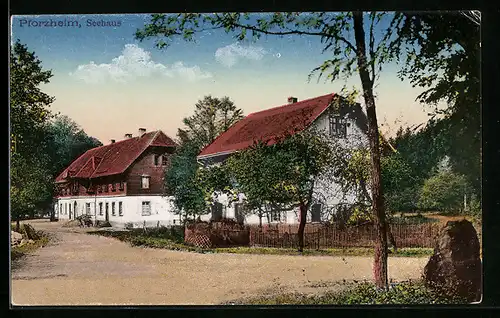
(112, 84)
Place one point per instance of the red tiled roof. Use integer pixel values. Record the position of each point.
(267, 124)
(114, 158)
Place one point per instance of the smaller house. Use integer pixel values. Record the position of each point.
(121, 182)
(342, 121)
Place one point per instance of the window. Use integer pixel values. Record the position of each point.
(120, 208)
(316, 213)
(105, 188)
(87, 208)
(275, 216)
(99, 189)
(100, 208)
(164, 160)
(113, 209)
(239, 212)
(338, 126)
(75, 187)
(145, 182)
(122, 186)
(113, 187)
(216, 211)
(156, 160)
(146, 208)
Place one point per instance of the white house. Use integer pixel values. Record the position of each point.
(121, 182)
(342, 121)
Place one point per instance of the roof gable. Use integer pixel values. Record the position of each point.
(114, 158)
(268, 124)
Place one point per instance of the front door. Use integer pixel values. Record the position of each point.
(107, 212)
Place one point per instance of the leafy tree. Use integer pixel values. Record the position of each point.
(212, 116)
(184, 180)
(343, 36)
(28, 115)
(181, 181)
(442, 56)
(444, 192)
(283, 173)
(68, 142)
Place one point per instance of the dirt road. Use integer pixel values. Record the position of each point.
(82, 269)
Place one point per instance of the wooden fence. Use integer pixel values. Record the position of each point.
(319, 236)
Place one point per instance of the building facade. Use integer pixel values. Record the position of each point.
(121, 182)
(343, 121)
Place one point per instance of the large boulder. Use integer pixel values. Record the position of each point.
(455, 266)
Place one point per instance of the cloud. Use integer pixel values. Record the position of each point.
(135, 62)
(229, 55)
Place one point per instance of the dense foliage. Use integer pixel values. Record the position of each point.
(185, 180)
(42, 143)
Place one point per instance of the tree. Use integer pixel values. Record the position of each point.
(212, 116)
(68, 141)
(283, 173)
(444, 192)
(181, 181)
(28, 115)
(442, 56)
(336, 32)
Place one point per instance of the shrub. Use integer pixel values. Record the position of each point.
(444, 192)
(100, 223)
(358, 217)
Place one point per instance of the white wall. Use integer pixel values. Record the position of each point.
(326, 192)
(162, 210)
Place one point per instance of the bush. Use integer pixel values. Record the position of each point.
(444, 192)
(358, 217)
(174, 233)
(100, 223)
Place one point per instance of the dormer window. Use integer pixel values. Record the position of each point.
(164, 160)
(156, 160)
(338, 127)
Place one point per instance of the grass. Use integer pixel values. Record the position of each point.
(365, 293)
(138, 238)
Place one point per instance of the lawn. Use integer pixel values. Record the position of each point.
(138, 238)
(407, 293)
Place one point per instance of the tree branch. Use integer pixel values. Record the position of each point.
(296, 32)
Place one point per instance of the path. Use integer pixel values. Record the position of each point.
(82, 269)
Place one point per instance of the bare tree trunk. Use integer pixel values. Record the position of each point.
(302, 225)
(380, 262)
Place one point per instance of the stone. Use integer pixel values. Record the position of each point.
(455, 266)
(14, 236)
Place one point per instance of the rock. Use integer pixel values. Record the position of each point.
(31, 241)
(455, 266)
(14, 236)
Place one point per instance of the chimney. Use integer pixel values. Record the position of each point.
(112, 141)
(142, 131)
(292, 100)
(128, 135)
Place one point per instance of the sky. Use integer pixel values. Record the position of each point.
(111, 84)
